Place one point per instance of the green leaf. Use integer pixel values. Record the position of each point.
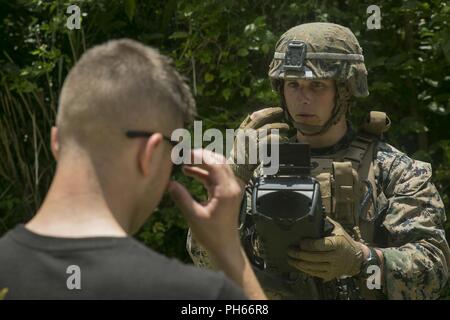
(249, 29)
(130, 9)
(226, 93)
(410, 4)
(431, 82)
(208, 77)
(242, 52)
(179, 35)
(445, 45)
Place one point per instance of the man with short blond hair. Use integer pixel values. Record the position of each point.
(118, 107)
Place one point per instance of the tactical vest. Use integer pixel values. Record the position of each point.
(349, 196)
(347, 180)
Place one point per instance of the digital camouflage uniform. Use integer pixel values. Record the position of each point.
(410, 233)
(409, 212)
(415, 250)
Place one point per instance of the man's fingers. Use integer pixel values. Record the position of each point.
(200, 175)
(272, 139)
(212, 162)
(197, 173)
(265, 112)
(202, 156)
(265, 116)
(195, 170)
(315, 273)
(322, 244)
(281, 126)
(310, 266)
(311, 256)
(183, 200)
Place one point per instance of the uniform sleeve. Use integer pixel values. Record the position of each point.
(417, 255)
(198, 254)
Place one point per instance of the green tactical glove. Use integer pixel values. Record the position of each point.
(330, 257)
(265, 119)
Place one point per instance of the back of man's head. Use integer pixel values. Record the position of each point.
(117, 86)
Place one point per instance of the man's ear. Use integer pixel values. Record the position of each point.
(54, 143)
(149, 154)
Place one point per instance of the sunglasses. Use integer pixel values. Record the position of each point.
(176, 168)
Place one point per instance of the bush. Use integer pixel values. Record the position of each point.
(223, 48)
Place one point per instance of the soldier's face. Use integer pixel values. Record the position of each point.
(310, 101)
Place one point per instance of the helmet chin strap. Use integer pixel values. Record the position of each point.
(315, 130)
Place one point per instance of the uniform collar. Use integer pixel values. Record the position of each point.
(343, 143)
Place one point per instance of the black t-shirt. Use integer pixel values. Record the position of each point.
(33, 266)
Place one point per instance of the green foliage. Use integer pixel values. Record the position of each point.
(223, 48)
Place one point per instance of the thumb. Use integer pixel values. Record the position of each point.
(337, 228)
(190, 208)
(322, 244)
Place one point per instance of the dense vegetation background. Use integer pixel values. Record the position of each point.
(223, 48)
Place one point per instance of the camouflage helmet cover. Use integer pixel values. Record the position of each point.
(332, 52)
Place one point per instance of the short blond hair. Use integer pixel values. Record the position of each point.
(120, 85)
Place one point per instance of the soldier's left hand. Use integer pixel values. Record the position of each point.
(330, 257)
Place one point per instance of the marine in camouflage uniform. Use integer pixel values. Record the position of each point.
(407, 213)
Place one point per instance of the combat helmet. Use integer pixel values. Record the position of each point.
(320, 51)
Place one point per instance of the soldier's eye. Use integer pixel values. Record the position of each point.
(318, 85)
(292, 84)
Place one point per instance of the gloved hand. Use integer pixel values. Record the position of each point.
(330, 257)
(265, 119)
